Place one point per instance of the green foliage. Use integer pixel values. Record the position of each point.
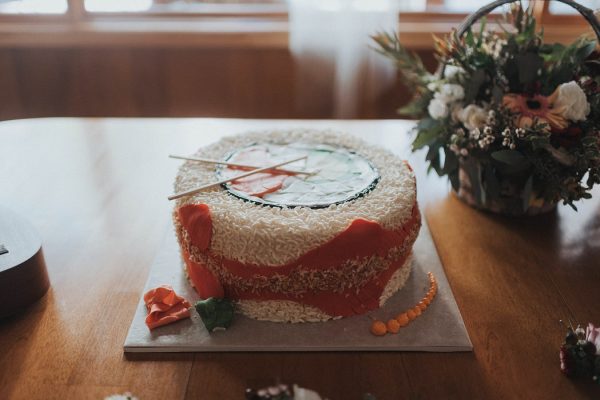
(414, 72)
(428, 131)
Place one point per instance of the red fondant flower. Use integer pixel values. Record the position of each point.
(165, 306)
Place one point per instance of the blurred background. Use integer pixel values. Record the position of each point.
(222, 58)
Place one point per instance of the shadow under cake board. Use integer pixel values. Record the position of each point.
(439, 329)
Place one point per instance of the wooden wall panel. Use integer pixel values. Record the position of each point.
(154, 82)
(11, 103)
(100, 83)
(42, 78)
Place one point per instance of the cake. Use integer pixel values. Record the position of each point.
(334, 241)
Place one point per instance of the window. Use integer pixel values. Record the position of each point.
(558, 8)
(182, 6)
(33, 6)
(103, 21)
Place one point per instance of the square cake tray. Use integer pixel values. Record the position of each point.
(439, 329)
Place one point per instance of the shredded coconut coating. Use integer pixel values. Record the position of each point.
(397, 281)
(294, 312)
(352, 273)
(272, 236)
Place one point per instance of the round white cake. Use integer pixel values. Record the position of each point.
(332, 242)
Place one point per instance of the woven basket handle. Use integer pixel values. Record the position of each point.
(584, 11)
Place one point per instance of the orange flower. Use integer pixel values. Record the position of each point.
(535, 109)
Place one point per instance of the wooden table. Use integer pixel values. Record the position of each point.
(97, 188)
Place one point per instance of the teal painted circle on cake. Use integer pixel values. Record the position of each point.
(338, 175)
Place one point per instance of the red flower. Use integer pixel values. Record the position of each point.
(567, 137)
(566, 361)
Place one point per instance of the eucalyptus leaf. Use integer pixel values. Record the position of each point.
(454, 181)
(528, 65)
(474, 85)
(527, 191)
(426, 136)
(510, 157)
(497, 94)
(584, 51)
(491, 183)
(450, 161)
(433, 152)
(435, 164)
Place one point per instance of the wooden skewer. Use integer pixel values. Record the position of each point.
(233, 178)
(231, 164)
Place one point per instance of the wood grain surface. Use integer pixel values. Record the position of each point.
(96, 190)
(168, 81)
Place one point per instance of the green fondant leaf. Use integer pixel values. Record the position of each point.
(215, 313)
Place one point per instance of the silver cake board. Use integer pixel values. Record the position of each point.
(439, 329)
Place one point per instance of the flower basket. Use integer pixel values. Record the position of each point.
(514, 197)
(513, 122)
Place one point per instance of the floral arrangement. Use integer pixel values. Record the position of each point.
(289, 392)
(512, 121)
(580, 353)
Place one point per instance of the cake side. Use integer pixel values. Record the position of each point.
(340, 287)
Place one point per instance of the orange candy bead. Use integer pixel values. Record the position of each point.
(402, 319)
(393, 326)
(378, 328)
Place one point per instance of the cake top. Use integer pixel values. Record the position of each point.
(336, 175)
(265, 235)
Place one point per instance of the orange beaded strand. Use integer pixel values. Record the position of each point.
(379, 328)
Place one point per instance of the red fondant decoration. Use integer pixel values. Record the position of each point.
(361, 239)
(196, 220)
(259, 184)
(206, 284)
(164, 306)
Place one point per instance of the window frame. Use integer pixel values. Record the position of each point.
(266, 22)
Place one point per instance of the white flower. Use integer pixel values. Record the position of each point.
(433, 86)
(437, 109)
(450, 92)
(124, 396)
(473, 116)
(571, 101)
(592, 334)
(455, 113)
(305, 394)
(451, 71)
